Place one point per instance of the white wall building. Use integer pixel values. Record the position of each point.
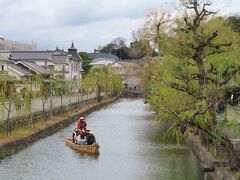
(6, 44)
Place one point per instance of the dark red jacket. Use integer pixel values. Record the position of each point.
(81, 124)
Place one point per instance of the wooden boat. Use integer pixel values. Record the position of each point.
(93, 149)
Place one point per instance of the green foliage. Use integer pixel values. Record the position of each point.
(199, 65)
(45, 90)
(28, 97)
(9, 98)
(116, 47)
(235, 22)
(60, 86)
(104, 78)
(174, 131)
(86, 62)
(116, 83)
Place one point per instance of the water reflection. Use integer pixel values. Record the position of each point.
(131, 147)
(86, 156)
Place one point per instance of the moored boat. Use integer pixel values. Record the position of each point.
(93, 149)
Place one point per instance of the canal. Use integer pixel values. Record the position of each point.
(131, 148)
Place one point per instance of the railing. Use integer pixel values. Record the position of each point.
(23, 119)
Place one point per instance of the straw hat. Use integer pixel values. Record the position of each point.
(81, 118)
(90, 132)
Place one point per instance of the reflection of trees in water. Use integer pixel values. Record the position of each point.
(88, 156)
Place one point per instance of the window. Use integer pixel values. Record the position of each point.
(2, 68)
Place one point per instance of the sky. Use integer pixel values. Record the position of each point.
(88, 23)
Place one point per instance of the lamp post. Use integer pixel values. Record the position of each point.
(98, 88)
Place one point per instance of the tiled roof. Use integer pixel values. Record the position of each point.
(33, 66)
(30, 55)
(103, 55)
(4, 53)
(59, 59)
(19, 69)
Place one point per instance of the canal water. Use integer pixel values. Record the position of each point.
(131, 148)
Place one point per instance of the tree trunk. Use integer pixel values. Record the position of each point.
(61, 104)
(44, 115)
(31, 120)
(78, 97)
(8, 123)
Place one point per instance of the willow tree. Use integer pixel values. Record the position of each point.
(200, 62)
(116, 84)
(28, 97)
(44, 92)
(89, 82)
(10, 100)
(105, 79)
(60, 87)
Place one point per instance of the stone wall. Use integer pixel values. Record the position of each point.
(214, 169)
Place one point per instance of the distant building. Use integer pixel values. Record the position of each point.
(12, 71)
(76, 63)
(6, 44)
(101, 62)
(97, 55)
(3, 67)
(66, 65)
(62, 64)
(41, 58)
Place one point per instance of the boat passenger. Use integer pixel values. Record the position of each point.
(81, 124)
(82, 134)
(78, 139)
(81, 140)
(74, 135)
(90, 138)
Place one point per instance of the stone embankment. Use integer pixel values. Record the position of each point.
(213, 167)
(13, 146)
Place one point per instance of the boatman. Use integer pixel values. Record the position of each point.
(81, 124)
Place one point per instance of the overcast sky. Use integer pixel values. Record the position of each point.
(89, 23)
